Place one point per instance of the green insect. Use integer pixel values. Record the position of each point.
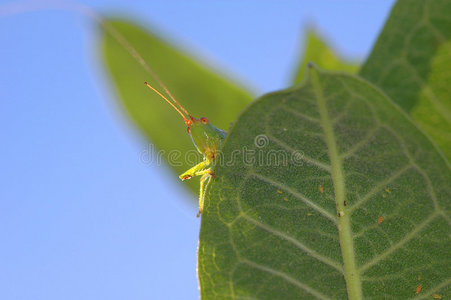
(206, 138)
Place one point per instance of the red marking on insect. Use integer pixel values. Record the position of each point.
(186, 177)
(204, 120)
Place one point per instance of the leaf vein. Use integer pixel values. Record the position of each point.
(304, 157)
(301, 115)
(298, 244)
(352, 277)
(297, 195)
(287, 278)
(399, 244)
(378, 187)
(360, 144)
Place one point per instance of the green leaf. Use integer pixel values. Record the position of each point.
(203, 92)
(327, 191)
(411, 62)
(318, 51)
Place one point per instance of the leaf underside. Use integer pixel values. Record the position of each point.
(411, 62)
(345, 198)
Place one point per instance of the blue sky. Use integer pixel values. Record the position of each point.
(81, 217)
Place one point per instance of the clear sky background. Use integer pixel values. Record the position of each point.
(81, 217)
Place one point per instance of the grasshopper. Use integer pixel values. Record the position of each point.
(206, 138)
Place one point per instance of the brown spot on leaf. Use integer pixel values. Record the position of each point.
(418, 289)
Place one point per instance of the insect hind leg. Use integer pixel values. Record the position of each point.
(204, 182)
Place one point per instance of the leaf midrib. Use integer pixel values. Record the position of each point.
(352, 276)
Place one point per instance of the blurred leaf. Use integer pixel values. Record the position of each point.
(411, 62)
(317, 51)
(201, 91)
(343, 197)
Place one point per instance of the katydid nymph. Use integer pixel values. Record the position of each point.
(206, 138)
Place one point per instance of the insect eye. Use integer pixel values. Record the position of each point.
(204, 120)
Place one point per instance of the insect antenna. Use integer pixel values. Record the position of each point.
(187, 122)
(158, 80)
(132, 51)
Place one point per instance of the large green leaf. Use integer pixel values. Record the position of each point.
(318, 51)
(327, 191)
(411, 62)
(203, 92)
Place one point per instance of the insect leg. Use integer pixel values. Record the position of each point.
(204, 182)
(195, 170)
